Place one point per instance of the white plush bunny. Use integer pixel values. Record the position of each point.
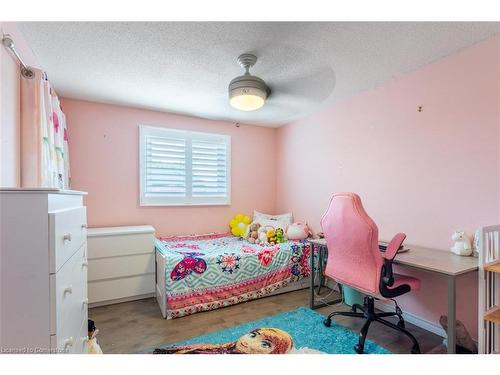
(462, 244)
(262, 235)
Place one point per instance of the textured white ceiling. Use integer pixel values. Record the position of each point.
(186, 67)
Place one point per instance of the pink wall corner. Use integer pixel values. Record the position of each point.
(104, 159)
(424, 173)
(10, 115)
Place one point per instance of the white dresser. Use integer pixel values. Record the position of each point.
(121, 264)
(43, 271)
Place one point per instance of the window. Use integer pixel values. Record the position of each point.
(180, 167)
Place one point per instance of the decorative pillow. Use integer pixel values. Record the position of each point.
(287, 218)
(283, 224)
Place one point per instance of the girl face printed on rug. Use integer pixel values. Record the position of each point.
(258, 341)
(265, 341)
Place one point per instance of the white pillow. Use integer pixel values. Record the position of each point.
(272, 223)
(287, 218)
(276, 221)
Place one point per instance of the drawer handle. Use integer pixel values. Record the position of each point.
(68, 289)
(67, 237)
(68, 342)
(84, 226)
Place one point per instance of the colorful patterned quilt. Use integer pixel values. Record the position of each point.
(212, 271)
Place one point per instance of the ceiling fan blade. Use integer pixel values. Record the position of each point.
(313, 87)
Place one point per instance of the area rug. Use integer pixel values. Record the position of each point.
(297, 331)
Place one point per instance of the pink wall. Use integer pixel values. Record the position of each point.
(104, 151)
(424, 173)
(10, 116)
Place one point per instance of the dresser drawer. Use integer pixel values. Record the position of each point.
(69, 297)
(132, 265)
(67, 232)
(71, 344)
(80, 342)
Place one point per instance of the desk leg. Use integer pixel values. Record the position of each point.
(451, 315)
(311, 300)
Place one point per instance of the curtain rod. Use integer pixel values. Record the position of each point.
(26, 71)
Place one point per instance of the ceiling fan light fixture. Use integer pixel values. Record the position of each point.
(247, 102)
(247, 92)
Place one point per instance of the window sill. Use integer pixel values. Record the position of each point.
(183, 204)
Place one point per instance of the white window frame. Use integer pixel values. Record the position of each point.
(188, 200)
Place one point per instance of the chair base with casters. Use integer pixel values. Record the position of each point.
(368, 313)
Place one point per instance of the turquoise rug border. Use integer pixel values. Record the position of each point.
(306, 327)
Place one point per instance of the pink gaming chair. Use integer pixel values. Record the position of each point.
(354, 260)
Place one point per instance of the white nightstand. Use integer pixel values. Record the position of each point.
(121, 264)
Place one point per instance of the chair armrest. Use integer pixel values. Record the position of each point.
(387, 277)
(393, 247)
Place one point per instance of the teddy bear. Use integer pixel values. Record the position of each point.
(253, 235)
(462, 245)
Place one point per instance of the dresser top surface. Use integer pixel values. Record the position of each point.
(42, 191)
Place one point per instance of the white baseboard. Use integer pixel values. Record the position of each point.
(413, 319)
(120, 300)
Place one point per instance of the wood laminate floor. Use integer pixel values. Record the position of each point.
(137, 326)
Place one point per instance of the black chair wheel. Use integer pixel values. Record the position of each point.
(415, 350)
(327, 322)
(358, 349)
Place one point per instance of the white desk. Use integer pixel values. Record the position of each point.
(440, 262)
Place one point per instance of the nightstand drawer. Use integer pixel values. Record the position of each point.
(132, 265)
(116, 289)
(120, 245)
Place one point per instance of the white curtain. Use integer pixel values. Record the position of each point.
(44, 136)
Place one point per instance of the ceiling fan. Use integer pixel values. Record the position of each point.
(248, 92)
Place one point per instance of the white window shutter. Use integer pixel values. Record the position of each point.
(165, 166)
(209, 166)
(184, 168)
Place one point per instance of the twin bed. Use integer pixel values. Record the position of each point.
(207, 272)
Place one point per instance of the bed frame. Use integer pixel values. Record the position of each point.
(160, 284)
